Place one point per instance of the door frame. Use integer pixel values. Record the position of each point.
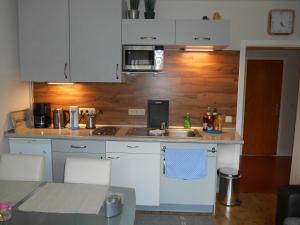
(243, 72)
(281, 94)
(293, 44)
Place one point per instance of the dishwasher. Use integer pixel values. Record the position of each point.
(61, 149)
(197, 195)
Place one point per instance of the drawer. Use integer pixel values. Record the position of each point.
(148, 32)
(78, 146)
(31, 141)
(133, 147)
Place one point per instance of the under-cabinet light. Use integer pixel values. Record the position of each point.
(59, 83)
(198, 49)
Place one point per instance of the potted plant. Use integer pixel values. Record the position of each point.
(149, 7)
(133, 13)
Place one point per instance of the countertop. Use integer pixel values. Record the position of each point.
(229, 136)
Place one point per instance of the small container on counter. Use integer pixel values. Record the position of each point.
(212, 121)
(5, 211)
(74, 117)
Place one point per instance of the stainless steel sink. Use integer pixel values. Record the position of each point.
(171, 132)
(182, 133)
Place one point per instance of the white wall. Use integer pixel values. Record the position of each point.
(249, 19)
(14, 94)
(289, 96)
(295, 170)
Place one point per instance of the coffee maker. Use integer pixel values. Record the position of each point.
(42, 115)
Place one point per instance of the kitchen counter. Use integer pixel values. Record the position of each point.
(229, 136)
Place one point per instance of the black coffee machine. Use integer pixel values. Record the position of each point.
(42, 115)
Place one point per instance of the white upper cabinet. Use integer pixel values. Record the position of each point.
(203, 32)
(89, 30)
(148, 32)
(44, 40)
(95, 40)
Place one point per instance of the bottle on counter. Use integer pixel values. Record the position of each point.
(187, 121)
(204, 122)
(210, 122)
(74, 117)
(219, 124)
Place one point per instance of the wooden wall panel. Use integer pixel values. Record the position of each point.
(191, 81)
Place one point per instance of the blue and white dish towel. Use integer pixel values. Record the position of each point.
(186, 163)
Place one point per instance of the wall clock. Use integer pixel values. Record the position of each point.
(281, 21)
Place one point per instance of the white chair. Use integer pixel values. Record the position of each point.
(87, 171)
(22, 167)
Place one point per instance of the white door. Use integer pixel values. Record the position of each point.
(139, 171)
(95, 40)
(44, 40)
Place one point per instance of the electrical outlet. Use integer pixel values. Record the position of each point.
(85, 111)
(136, 112)
(140, 112)
(228, 119)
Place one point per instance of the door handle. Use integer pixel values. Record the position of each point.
(198, 38)
(66, 71)
(213, 150)
(111, 157)
(145, 38)
(164, 166)
(117, 69)
(134, 146)
(78, 146)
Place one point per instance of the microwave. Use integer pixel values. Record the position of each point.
(143, 58)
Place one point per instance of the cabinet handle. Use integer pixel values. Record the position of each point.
(110, 157)
(117, 69)
(65, 71)
(131, 146)
(78, 146)
(202, 38)
(213, 150)
(164, 166)
(145, 38)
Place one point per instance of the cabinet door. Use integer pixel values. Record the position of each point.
(95, 40)
(193, 192)
(148, 32)
(202, 32)
(34, 147)
(138, 171)
(44, 40)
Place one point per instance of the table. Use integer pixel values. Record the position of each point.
(15, 191)
(37, 218)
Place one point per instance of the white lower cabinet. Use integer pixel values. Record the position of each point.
(136, 165)
(62, 149)
(34, 147)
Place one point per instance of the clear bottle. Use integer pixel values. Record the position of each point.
(210, 122)
(187, 121)
(205, 122)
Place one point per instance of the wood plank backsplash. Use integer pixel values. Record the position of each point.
(191, 81)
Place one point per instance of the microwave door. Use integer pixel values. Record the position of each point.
(138, 60)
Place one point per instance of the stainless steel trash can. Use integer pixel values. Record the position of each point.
(229, 186)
